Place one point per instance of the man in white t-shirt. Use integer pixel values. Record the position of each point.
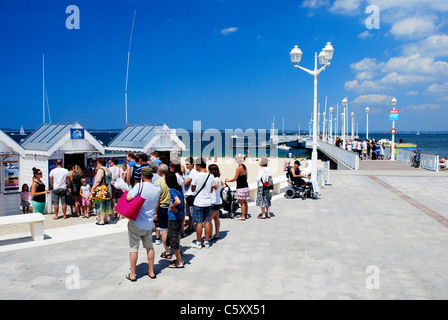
(59, 179)
(202, 185)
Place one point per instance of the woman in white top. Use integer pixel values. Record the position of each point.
(263, 194)
(216, 201)
(117, 173)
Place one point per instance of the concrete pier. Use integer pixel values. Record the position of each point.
(378, 233)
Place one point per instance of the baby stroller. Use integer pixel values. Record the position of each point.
(229, 203)
(298, 187)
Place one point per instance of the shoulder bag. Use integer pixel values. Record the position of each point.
(130, 209)
(120, 183)
(102, 191)
(268, 184)
(190, 198)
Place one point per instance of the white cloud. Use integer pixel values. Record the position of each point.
(365, 35)
(365, 75)
(315, 4)
(227, 31)
(373, 99)
(423, 107)
(364, 86)
(419, 58)
(440, 5)
(437, 89)
(366, 64)
(414, 27)
(397, 72)
(416, 64)
(346, 6)
(434, 46)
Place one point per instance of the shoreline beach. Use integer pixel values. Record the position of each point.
(227, 166)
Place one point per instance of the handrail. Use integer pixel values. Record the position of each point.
(428, 161)
(350, 159)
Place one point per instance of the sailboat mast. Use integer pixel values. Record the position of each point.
(43, 88)
(127, 71)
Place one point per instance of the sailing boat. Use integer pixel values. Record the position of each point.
(418, 133)
(22, 132)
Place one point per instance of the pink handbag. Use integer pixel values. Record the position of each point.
(130, 209)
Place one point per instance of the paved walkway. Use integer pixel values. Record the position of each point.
(370, 236)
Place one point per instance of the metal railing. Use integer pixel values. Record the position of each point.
(350, 159)
(428, 161)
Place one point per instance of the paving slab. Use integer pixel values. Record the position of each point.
(360, 240)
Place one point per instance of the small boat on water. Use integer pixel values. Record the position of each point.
(284, 147)
(22, 132)
(402, 145)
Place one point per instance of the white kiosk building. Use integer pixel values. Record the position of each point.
(50, 142)
(146, 139)
(10, 185)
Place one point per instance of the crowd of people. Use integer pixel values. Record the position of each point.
(174, 192)
(366, 149)
(178, 199)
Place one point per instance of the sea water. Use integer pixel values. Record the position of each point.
(432, 142)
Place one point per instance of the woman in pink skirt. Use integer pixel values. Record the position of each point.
(242, 188)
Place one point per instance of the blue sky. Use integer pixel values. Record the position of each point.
(224, 62)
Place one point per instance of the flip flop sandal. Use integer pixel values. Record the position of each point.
(166, 255)
(174, 266)
(129, 278)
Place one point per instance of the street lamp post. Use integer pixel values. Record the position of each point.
(392, 146)
(345, 104)
(318, 125)
(353, 124)
(337, 120)
(343, 129)
(367, 127)
(331, 126)
(325, 57)
(324, 122)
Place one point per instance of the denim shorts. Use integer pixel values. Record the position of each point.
(201, 214)
(162, 219)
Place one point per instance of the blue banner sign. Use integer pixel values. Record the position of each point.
(77, 134)
(394, 115)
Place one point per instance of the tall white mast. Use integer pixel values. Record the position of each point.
(43, 87)
(48, 107)
(127, 71)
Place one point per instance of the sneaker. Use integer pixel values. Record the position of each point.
(206, 245)
(196, 245)
(158, 241)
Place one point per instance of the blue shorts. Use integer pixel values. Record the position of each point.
(201, 214)
(162, 218)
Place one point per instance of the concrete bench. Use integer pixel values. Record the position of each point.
(279, 183)
(36, 221)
